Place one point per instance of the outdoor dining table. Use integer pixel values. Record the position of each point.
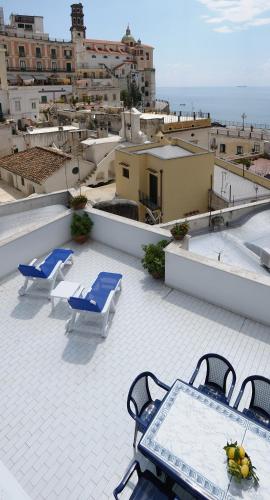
(186, 440)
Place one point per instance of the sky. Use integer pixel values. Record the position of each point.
(197, 42)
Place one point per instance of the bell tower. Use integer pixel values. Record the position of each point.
(77, 22)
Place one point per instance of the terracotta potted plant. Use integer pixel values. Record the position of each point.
(154, 259)
(78, 202)
(180, 230)
(81, 226)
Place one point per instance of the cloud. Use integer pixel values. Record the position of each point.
(223, 29)
(234, 15)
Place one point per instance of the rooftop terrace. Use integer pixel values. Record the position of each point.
(65, 432)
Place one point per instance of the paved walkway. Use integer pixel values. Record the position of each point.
(65, 432)
(9, 193)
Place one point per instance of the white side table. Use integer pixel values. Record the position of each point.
(64, 290)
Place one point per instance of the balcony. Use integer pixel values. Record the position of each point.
(147, 201)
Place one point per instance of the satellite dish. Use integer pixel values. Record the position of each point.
(75, 170)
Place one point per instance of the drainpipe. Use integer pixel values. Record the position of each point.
(161, 190)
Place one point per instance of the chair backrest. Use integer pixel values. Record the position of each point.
(260, 397)
(107, 281)
(57, 255)
(218, 369)
(139, 394)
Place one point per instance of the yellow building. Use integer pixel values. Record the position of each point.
(167, 180)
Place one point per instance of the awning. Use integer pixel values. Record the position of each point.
(27, 79)
(40, 78)
(12, 78)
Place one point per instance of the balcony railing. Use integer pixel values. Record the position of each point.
(39, 70)
(148, 202)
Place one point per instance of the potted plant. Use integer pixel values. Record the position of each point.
(154, 258)
(179, 231)
(81, 226)
(79, 202)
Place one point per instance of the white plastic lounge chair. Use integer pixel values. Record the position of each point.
(46, 271)
(96, 303)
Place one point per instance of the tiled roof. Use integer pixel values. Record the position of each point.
(35, 164)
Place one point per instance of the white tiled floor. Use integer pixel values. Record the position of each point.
(64, 429)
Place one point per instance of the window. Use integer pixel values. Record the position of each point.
(22, 181)
(125, 172)
(94, 57)
(105, 97)
(147, 56)
(22, 65)
(153, 189)
(222, 148)
(34, 105)
(54, 66)
(38, 52)
(68, 67)
(20, 25)
(256, 148)
(68, 54)
(21, 51)
(39, 66)
(53, 53)
(239, 150)
(105, 57)
(146, 93)
(146, 83)
(123, 71)
(17, 106)
(28, 27)
(44, 98)
(116, 57)
(114, 97)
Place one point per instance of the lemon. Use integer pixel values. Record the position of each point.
(245, 470)
(241, 451)
(245, 461)
(231, 463)
(231, 452)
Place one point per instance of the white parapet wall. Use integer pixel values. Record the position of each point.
(242, 292)
(124, 234)
(41, 240)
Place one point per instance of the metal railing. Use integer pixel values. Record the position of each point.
(39, 70)
(149, 202)
(239, 125)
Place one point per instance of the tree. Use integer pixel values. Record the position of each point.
(131, 97)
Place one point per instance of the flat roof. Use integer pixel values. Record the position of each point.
(233, 245)
(63, 397)
(168, 118)
(101, 140)
(46, 130)
(166, 152)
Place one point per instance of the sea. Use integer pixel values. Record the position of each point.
(225, 104)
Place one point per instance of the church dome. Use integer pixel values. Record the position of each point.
(128, 38)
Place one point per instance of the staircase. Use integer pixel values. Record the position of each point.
(100, 172)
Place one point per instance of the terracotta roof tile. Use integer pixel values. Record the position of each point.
(35, 164)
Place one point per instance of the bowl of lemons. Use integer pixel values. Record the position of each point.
(239, 464)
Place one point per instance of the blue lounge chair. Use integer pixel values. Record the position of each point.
(96, 303)
(46, 271)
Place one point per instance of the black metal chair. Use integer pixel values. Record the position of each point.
(217, 372)
(145, 407)
(259, 407)
(148, 487)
